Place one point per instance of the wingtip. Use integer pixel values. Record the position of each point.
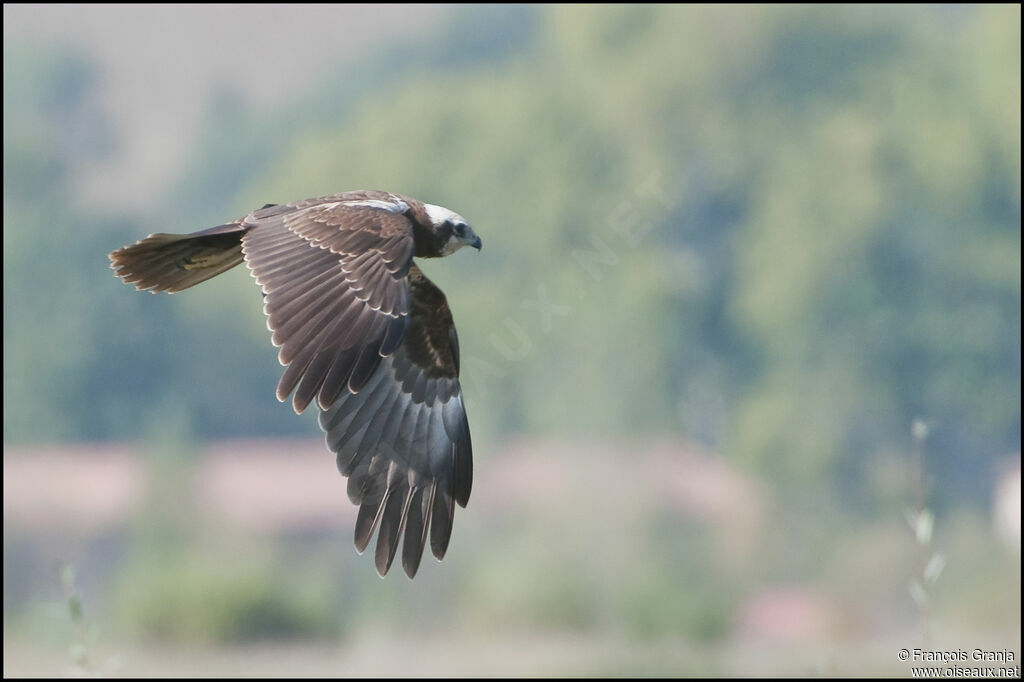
(383, 560)
(298, 404)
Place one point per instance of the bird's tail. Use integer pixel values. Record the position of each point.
(172, 262)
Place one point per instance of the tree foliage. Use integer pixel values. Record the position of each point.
(786, 232)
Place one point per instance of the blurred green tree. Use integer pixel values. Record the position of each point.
(786, 232)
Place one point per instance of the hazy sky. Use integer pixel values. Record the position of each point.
(159, 63)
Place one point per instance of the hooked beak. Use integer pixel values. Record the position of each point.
(469, 238)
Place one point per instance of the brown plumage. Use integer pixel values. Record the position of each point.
(363, 332)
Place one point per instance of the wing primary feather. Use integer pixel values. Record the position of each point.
(462, 470)
(416, 529)
(392, 522)
(441, 517)
(375, 496)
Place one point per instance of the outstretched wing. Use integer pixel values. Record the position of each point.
(403, 440)
(333, 271)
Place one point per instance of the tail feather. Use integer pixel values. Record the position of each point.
(173, 262)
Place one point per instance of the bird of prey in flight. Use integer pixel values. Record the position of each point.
(363, 332)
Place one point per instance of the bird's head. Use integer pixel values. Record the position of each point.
(451, 229)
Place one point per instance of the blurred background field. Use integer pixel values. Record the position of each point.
(741, 353)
